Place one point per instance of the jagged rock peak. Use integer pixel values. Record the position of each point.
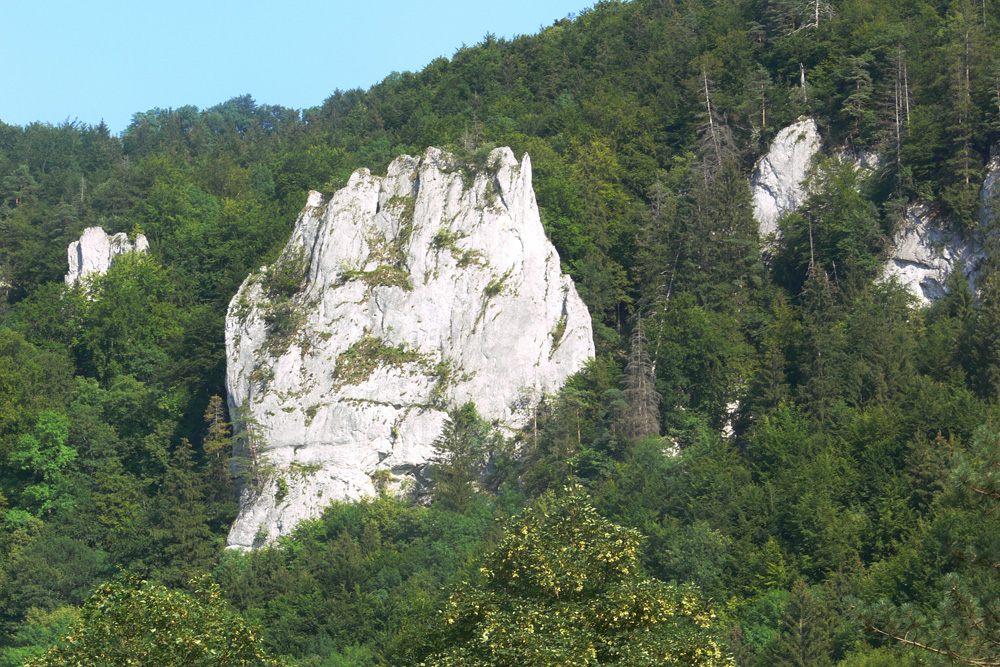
(778, 180)
(399, 298)
(95, 252)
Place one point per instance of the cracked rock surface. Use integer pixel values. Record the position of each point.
(95, 252)
(778, 181)
(398, 299)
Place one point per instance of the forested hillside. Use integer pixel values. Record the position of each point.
(803, 444)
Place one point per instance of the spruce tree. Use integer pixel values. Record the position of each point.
(986, 338)
(805, 633)
(964, 627)
(217, 445)
(186, 544)
(460, 455)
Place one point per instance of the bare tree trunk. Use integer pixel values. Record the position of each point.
(711, 120)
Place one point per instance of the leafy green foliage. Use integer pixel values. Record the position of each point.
(355, 577)
(563, 586)
(132, 621)
(45, 455)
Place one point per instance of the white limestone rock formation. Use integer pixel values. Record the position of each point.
(778, 181)
(924, 253)
(95, 252)
(926, 249)
(400, 298)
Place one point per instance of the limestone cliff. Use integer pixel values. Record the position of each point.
(778, 182)
(926, 248)
(399, 298)
(95, 252)
(923, 251)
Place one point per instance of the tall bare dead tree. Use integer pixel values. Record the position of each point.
(643, 418)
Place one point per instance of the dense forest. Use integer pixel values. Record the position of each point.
(773, 434)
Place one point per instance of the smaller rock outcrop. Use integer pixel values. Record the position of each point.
(778, 181)
(95, 252)
(926, 249)
(924, 253)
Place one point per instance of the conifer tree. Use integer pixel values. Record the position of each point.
(805, 633)
(716, 144)
(961, 193)
(186, 544)
(859, 101)
(964, 628)
(987, 338)
(643, 416)
(721, 256)
(460, 455)
(822, 344)
(658, 247)
(218, 445)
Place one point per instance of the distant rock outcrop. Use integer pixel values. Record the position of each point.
(399, 298)
(778, 181)
(924, 254)
(924, 250)
(95, 252)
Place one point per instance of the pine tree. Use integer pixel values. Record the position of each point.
(716, 144)
(721, 259)
(986, 339)
(961, 192)
(894, 119)
(964, 628)
(821, 345)
(859, 101)
(783, 17)
(461, 453)
(658, 247)
(218, 445)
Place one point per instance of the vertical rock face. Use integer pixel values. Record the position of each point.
(925, 250)
(777, 183)
(401, 297)
(924, 254)
(95, 252)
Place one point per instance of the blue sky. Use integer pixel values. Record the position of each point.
(103, 59)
